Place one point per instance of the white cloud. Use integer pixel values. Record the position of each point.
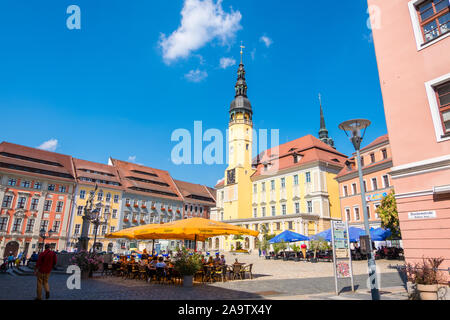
(132, 159)
(201, 22)
(196, 75)
(49, 145)
(267, 41)
(227, 62)
(253, 53)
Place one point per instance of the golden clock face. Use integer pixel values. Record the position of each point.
(231, 177)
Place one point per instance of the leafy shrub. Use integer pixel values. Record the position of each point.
(187, 263)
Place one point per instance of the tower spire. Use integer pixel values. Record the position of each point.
(242, 52)
(323, 132)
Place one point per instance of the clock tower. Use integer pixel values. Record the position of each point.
(238, 186)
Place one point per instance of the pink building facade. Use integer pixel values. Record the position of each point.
(412, 45)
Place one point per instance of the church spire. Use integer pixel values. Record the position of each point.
(241, 84)
(241, 107)
(323, 132)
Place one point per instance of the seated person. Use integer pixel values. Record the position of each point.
(222, 260)
(217, 258)
(161, 263)
(210, 261)
(203, 260)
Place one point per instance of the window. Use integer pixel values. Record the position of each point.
(263, 212)
(82, 194)
(37, 185)
(272, 185)
(309, 206)
(283, 209)
(357, 217)
(255, 188)
(17, 224)
(368, 212)
(365, 186)
(47, 205)
(221, 216)
(347, 214)
(7, 200)
(296, 180)
(59, 206)
(12, 182)
(386, 181)
(274, 211)
(100, 196)
(116, 198)
(34, 204)
(283, 183)
(434, 18)
(112, 229)
(77, 229)
(108, 197)
(26, 184)
(443, 99)
(384, 153)
(255, 212)
(297, 207)
(195, 209)
(308, 177)
(377, 216)
(372, 157)
(3, 223)
(80, 211)
(104, 230)
(362, 161)
(278, 226)
(21, 203)
(30, 225)
(127, 201)
(290, 227)
(62, 189)
(354, 188)
(263, 187)
(56, 225)
(374, 184)
(295, 158)
(51, 187)
(345, 191)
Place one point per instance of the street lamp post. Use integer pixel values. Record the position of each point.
(354, 127)
(44, 234)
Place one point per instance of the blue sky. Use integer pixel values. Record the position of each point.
(118, 87)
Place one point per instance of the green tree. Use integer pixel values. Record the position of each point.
(388, 214)
(277, 247)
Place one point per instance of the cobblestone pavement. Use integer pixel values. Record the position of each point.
(112, 288)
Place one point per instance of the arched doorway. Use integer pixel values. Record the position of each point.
(210, 244)
(247, 243)
(12, 246)
(217, 243)
(110, 247)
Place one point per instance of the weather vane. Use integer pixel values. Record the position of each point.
(242, 52)
(320, 99)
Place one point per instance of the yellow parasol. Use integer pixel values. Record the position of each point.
(191, 229)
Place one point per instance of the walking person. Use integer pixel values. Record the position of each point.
(11, 260)
(45, 263)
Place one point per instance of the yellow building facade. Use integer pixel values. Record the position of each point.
(108, 197)
(288, 187)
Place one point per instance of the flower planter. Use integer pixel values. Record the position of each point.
(127, 204)
(142, 222)
(153, 208)
(134, 221)
(125, 220)
(188, 281)
(427, 291)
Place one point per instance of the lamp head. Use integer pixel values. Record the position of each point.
(354, 127)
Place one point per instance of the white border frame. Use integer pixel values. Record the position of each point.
(434, 108)
(416, 27)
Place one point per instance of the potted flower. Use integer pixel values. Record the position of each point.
(178, 210)
(88, 262)
(136, 205)
(170, 210)
(187, 264)
(163, 209)
(127, 204)
(142, 221)
(125, 220)
(426, 277)
(134, 221)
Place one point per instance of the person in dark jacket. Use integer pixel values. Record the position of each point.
(44, 265)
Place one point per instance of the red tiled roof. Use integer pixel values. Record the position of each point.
(188, 189)
(220, 184)
(13, 155)
(126, 170)
(309, 149)
(377, 141)
(81, 165)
